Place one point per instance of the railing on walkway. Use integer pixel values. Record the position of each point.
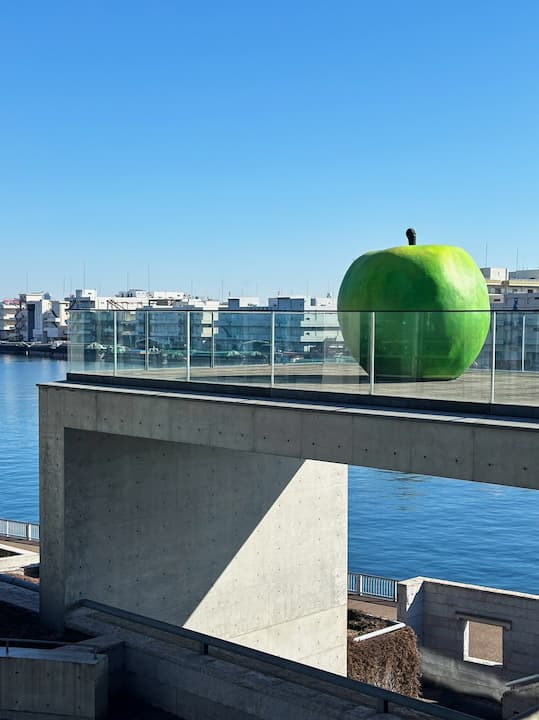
(205, 643)
(372, 586)
(18, 530)
(393, 352)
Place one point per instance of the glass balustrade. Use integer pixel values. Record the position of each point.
(431, 355)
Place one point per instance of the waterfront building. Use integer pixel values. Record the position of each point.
(8, 313)
(517, 333)
(39, 318)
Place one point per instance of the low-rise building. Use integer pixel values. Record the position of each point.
(8, 313)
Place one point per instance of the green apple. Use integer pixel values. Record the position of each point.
(432, 311)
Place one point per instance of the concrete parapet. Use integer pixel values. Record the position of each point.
(52, 685)
(189, 685)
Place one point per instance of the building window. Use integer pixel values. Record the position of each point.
(483, 639)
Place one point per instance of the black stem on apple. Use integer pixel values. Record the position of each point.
(411, 235)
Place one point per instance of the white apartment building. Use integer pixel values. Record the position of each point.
(8, 312)
(41, 319)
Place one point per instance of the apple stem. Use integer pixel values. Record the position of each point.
(411, 235)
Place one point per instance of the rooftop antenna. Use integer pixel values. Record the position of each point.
(517, 260)
(84, 274)
(486, 254)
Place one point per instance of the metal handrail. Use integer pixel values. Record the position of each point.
(205, 642)
(8, 643)
(19, 530)
(523, 682)
(372, 586)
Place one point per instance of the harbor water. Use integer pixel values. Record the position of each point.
(399, 525)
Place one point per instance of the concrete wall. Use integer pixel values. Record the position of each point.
(57, 685)
(250, 547)
(438, 611)
(246, 547)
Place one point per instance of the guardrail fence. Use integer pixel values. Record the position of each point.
(372, 586)
(19, 530)
(307, 350)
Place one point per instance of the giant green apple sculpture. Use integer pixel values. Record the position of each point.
(431, 304)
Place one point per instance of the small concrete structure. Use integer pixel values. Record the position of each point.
(14, 558)
(58, 684)
(472, 639)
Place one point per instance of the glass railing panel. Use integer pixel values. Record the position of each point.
(416, 354)
(129, 360)
(517, 358)
(235, 347)
(310, 352)
(91, 341)
(166, 343)
(433, 355)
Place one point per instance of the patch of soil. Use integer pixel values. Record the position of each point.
(361, 623)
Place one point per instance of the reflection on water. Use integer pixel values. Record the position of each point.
(407, 525)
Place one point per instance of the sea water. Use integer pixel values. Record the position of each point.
(399, 525)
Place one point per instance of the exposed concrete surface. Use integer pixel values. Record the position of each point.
(45, 684)
(18, 559)
(246, 546)
(168, 675)
(439, 612)
(20, 596)
(483, 449)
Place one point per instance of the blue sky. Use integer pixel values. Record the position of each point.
(261, 146)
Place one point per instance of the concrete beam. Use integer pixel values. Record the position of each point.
(484, 449)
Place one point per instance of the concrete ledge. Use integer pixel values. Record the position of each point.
(58, 684)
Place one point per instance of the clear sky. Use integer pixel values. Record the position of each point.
(261, 146)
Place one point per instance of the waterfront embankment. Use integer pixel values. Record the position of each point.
(54, 351)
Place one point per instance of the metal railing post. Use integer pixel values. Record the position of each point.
(382, 705)
(28, 531)
(146, 340)
(272, 349)
(523, 350)
(212, 358)
(371, 353)
(493, 368)
(114, 343)
(188, 345)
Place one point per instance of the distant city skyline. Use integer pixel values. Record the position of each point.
(260, 148)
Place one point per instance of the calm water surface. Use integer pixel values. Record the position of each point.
(399, 525)
(19, 494)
